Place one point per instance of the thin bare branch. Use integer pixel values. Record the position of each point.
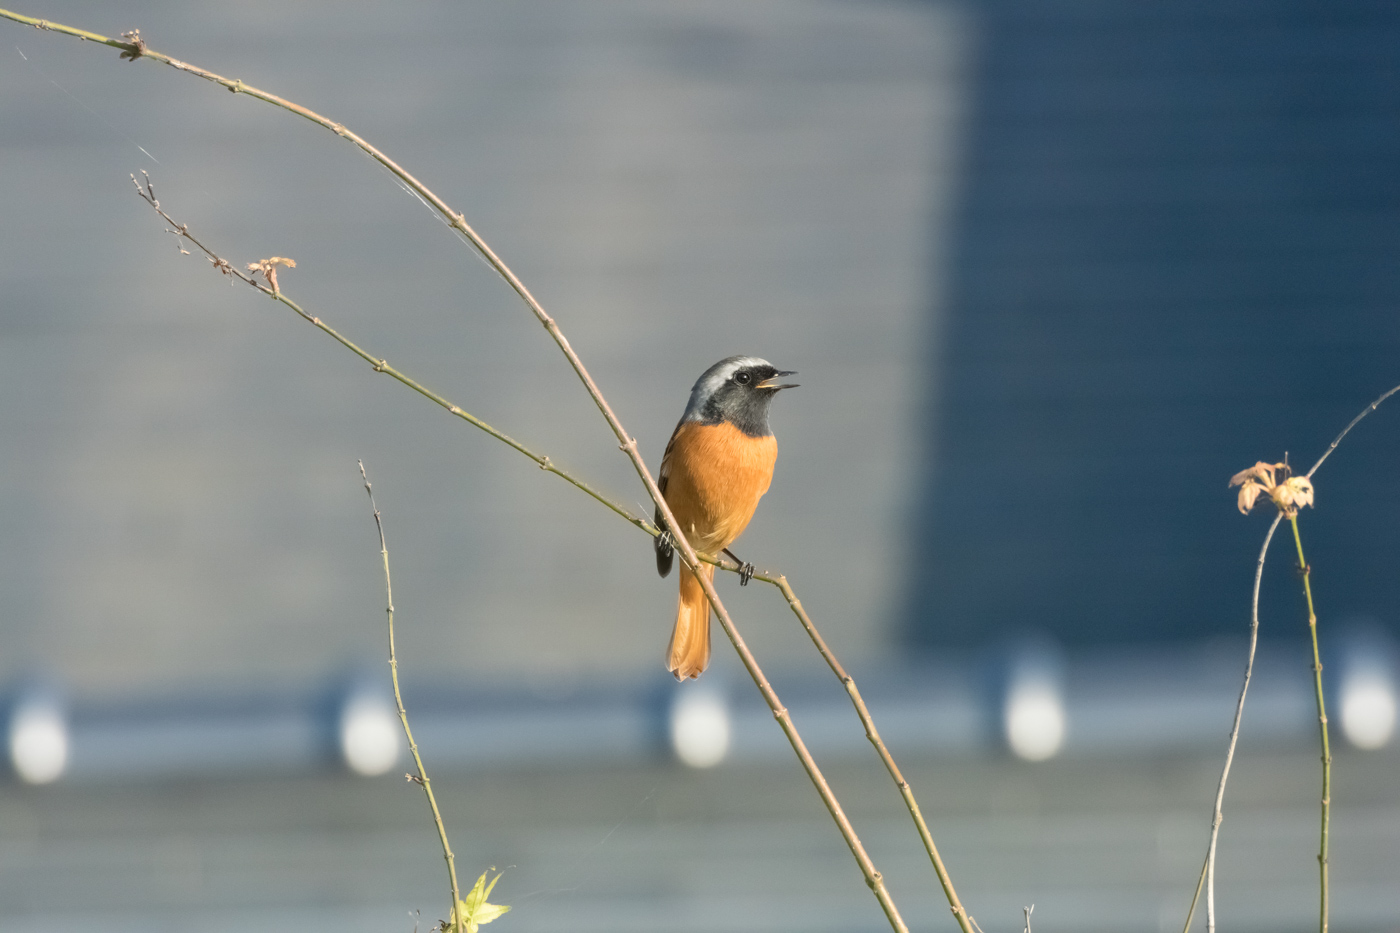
(955, 904)
(1207, 878)
(131, 50)
(136, 48)
(873, 877)
(1347, 430)
(421, 778)
(146, 189)
(1208, 868)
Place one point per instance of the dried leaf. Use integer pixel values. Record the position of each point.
(268, 267)
(1261, 471)
(1289, 495)
(1248, 493)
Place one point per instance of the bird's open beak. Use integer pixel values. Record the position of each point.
(774, 383)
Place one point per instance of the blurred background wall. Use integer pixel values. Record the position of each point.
(676, 183)
(1172, 256)
(1050, 274)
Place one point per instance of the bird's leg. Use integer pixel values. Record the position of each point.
(745, 568)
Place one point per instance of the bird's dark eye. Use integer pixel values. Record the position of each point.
(743, 378)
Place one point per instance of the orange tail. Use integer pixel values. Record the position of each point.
(690, 640)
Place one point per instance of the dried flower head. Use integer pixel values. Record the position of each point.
(138, 45)
(1289, 493)
(268, 267)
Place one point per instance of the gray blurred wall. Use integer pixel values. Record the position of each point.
(676, 182)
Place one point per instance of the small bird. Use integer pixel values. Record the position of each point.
(717, 465)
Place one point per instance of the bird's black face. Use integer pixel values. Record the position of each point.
(741, 394)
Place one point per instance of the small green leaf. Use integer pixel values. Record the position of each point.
(487, 913)
(473, 910)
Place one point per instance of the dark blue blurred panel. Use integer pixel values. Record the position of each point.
(1177, 252)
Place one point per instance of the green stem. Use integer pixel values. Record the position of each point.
(128, 47)
(1322, 724)
(422, 777)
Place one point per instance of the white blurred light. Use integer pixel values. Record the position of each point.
(700, 727)
(369, 734)
(38, 736)
(1033, 709)
(1034, 718)
(1368, 706)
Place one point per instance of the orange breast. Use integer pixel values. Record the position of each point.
(715, 475)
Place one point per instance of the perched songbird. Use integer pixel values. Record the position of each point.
(717, 466)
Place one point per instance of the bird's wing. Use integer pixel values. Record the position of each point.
(664, 551)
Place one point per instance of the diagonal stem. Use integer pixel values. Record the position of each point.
(1207, 878)
(1347, 430)
(137, 49)
(147, 194)
(422, 777)
(1208, 868)
(871, 733)
(1322, 860)
(873, 878)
